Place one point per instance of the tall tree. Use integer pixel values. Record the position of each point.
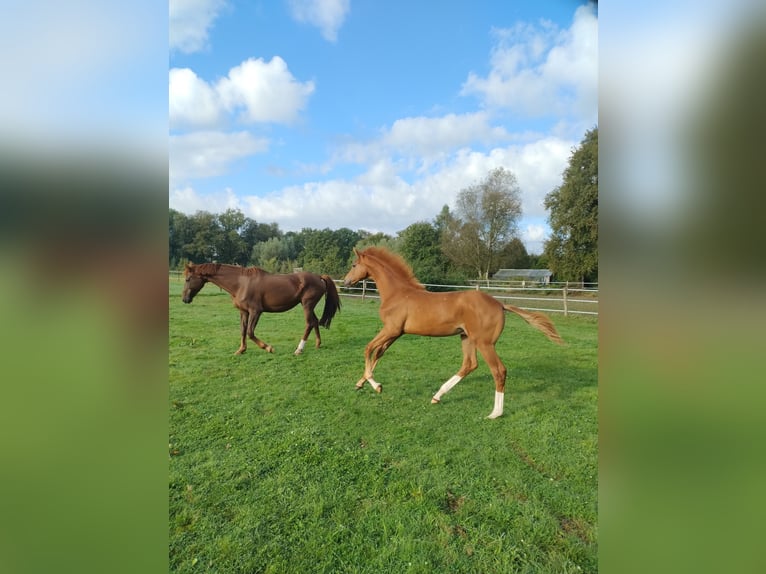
(179, 234)
(572, 250)
(253, 233)
(327, 251)
(230, 246)
(485, 220)
(420, 245)
(202, 238)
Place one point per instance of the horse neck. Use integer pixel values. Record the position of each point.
(227, 278)
(388, 283)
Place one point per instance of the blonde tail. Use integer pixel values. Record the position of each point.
(538, 321)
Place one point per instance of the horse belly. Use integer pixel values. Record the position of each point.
(432, 326)
(434, 331)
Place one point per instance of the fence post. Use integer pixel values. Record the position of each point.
(364, 288)
(566, 314)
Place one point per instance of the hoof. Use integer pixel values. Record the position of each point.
(269, 349)
(493, 415)
(239, 352)
(298, 352)
(379, 389)
(359, 386)
(435, 401)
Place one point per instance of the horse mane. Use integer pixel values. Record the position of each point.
(214, 268)
(202, 268)
(394, 264)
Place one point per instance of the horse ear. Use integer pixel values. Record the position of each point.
(356, 252)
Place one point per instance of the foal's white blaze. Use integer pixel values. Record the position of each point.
(445, 388)
(301, 345)
(498, 410)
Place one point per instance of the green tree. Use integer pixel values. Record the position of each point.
(179, 234)
(253, 233)
(572, 250)
(485, 220)
(514, 256)
(276, 255)
(202, 238)
(327, 251)
(420, 245)
(230, 246)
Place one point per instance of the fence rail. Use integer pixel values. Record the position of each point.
(557, 299)
(551, 298)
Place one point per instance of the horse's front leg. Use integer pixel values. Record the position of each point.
(254, 316)
(372, 354)
(243, 320)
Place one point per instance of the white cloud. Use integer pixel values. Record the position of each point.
(426, 136)
(187, 200)
(327, 15)
(380, 199)
(190, 21)
(540, 70)
(191, 100)
(426, 140)
(267, 91)
(209, 153)
(260, 91)
(533, 236)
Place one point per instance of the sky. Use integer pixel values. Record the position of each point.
(374, 115)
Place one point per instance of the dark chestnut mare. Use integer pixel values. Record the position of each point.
(407, 308)
(255, 291)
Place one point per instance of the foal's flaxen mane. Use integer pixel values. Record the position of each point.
(395, 264)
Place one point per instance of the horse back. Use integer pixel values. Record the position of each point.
(448, 313)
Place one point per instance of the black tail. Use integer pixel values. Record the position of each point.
(331, 302)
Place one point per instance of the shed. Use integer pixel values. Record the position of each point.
(540, 276)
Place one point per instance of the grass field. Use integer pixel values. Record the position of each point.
(277, 465)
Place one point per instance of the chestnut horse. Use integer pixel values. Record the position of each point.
(255, 291)
(407, 308)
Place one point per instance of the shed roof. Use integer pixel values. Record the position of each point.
(537, 274)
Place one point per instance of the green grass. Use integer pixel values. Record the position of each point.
(278, 465)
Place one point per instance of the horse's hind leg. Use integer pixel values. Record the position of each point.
(312, 322)
(499, 373)
(469, 365)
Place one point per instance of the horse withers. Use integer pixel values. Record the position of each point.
(254, 291)
(407, 308)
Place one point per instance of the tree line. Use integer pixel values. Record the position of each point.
(475, 240)
(231, 237)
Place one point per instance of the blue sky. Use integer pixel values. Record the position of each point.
(373, 115)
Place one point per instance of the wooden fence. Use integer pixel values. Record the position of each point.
(553, 298)
(569, 299)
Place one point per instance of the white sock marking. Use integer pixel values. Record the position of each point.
(445, 388)
(301, 345)
(373, 384)
(498, 410)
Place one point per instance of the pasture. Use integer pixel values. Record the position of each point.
(276, 463)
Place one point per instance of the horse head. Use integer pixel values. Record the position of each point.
(358, 270)
(193, 282)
